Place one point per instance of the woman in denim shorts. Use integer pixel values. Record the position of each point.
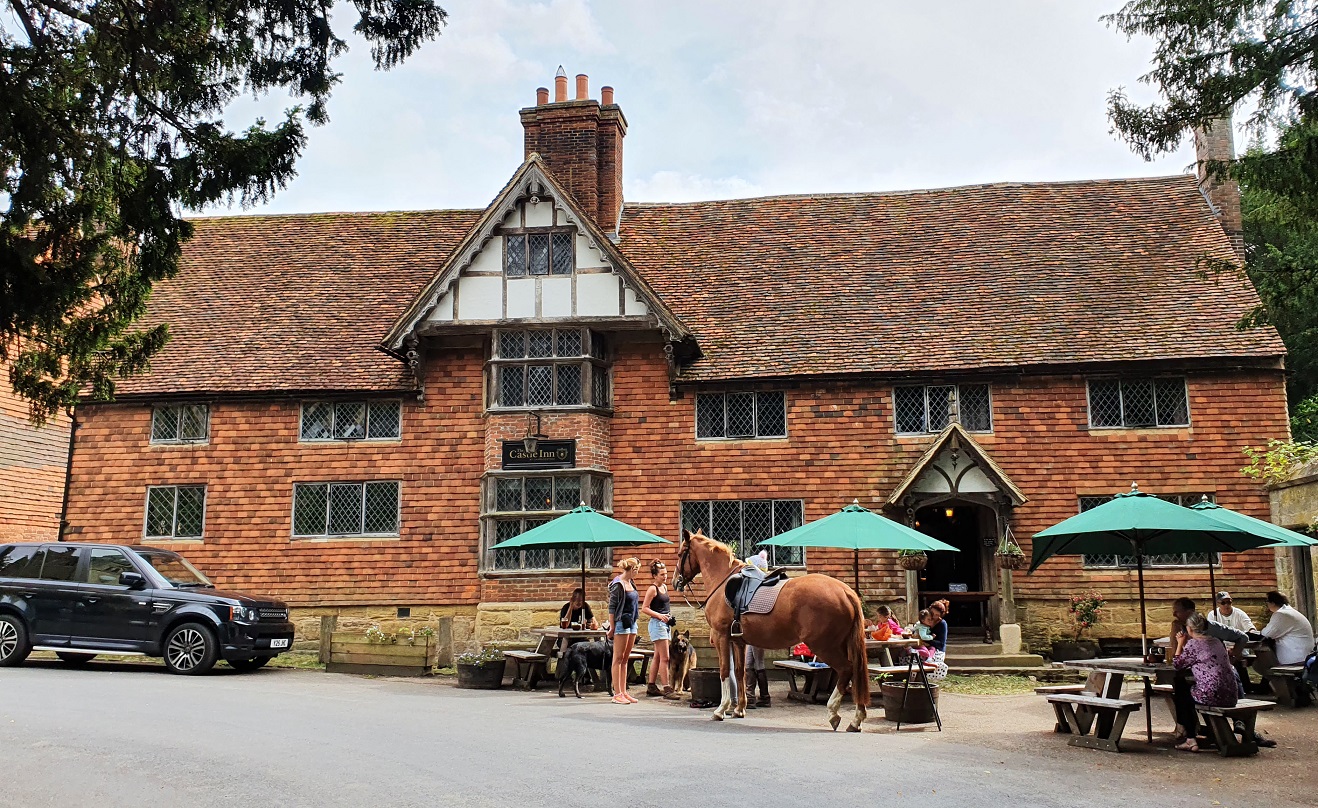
(623, 613)
(659, 607)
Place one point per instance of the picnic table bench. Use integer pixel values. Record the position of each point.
(1287, 686)
(528, 668)
(1081, 712)
(1221, 720)
(637, 675)
(817, 683)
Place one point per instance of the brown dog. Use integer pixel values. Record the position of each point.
(681, 659)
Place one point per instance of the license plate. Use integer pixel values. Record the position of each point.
(279, 643)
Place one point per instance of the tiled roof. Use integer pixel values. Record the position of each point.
(956, 279)
(986, 276)
(296, 303)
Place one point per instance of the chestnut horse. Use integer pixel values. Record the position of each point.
(815, 609)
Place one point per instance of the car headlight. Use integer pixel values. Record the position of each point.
(243, 614)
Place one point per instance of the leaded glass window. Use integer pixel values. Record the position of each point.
(518, 503)
(741, 415)
(1138, 403)
(745, 524)
(539, 252)
(1110, 561)
(351, 420)
(180, 423)
(919, 409)
(175, 511)
(549, 368)
(326, 510)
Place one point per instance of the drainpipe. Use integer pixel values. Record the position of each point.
(68, 474)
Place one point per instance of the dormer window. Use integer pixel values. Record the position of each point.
(538, 252)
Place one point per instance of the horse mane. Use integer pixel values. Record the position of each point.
(716, 545)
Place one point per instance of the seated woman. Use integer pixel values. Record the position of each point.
(1215, 683)
(938, 628)
(576, 611)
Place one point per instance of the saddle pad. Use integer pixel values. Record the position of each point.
(763, 600)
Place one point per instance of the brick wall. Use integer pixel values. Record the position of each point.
(32, 465)
(840, 447)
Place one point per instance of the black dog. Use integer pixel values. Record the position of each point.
(580, 660)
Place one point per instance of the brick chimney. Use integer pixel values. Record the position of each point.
(1214, 144)
(581, 141)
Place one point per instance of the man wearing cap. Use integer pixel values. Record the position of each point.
(1236, 619)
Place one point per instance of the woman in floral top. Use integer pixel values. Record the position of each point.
(1215, 683)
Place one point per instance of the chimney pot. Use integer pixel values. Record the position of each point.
(606, 96)
(541, 96)
(583, 87)
(560, 85)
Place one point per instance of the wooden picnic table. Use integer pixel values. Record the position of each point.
(554, 641)
(1116, 670)
(885, 647)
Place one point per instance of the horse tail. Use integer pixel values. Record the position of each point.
(857, 656)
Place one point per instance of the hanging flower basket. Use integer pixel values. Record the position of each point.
(915, 561)
(1013, 561)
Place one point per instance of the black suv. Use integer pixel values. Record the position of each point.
(80, 600)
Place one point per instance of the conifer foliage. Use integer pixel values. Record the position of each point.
(111, 125)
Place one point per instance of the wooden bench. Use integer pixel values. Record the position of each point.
(528, 668)
(638, 674)
(817, 683)
(896, 671)
(1221, 722)
(1287, 686)
(1081, 712)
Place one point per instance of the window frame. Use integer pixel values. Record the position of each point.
(174, 537)
(755, 394)
(1121, 400)
(178, 407)
(1180, 498)
(594, 360)
(525, 233)
(928, 429)
(708, 526)
(366, 420)
(328, 536)
(491, 516)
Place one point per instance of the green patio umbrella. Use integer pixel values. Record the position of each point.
(1141, 524)
(582, 527)
(856, 528)
(1280, 535)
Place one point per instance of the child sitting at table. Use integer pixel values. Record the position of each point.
(886, 626)
(925, 634)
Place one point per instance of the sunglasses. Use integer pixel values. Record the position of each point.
(1225, 600)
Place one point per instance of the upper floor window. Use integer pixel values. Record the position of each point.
(929, 408)
(1138, 402)
(539, 252)
(1109, 561)
(322, 510)
(180, 423)
(741, 415)
(561, 367)
(351, 420)
(175, 511)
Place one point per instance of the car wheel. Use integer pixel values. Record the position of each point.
(246, 665)
(74, 659)
(190, 649)
(14, 646)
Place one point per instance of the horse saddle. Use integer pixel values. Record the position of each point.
(753, 591)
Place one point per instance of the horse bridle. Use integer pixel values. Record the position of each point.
(683, 583)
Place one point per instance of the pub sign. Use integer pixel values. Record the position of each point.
(548, 454)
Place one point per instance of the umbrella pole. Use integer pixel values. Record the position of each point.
(855, 560)
(1212, 585)
(1144, 619)
(583, 576)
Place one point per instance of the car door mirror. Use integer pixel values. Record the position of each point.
(132, 580)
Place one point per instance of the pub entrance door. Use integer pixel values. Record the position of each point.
(965, 578)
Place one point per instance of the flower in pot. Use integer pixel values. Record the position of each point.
(482, 670)
(912, 559)
(1086, 612)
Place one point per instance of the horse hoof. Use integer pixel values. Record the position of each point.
(738, 715)
(834, 721)
(853, 728)
(716, 717)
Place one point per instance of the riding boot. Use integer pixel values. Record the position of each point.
(671, 694)
(653, 690)
(762, 677)
(750, 689)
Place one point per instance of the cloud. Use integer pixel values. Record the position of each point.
(676, 186)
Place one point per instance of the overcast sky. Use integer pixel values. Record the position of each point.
(727, 99)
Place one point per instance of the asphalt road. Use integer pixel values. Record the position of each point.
(121, 735)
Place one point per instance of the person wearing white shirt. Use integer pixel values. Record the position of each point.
(1291, 633)
(1227, 615)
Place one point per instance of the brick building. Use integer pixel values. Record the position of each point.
(336, 418)
(33, 461)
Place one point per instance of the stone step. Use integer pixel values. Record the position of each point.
(998, 660)
(965, 649)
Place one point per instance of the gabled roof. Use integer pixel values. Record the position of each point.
(533, 174)
(955, 437)
(989, 276)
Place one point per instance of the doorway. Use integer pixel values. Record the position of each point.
(962, 527)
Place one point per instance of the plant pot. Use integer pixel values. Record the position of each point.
(353, 653)
(913, 562)
(483, 676)
(917, 710)
(1012, 561)
(706, 687)
(1064, 650)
